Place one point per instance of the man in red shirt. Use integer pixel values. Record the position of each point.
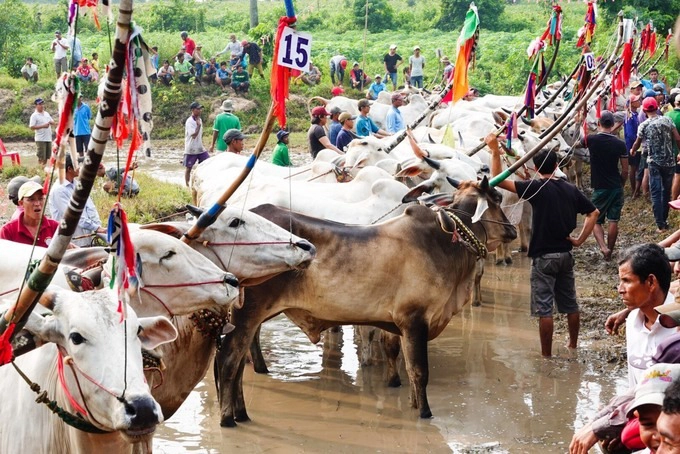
(189, 44)
(25, 228)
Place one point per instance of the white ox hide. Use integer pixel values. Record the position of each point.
(84, 330)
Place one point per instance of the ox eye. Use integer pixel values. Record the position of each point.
(236, 222)
(76, 338)
(139, 330)
(168, 255)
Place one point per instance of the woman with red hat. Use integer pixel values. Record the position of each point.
(317, 134)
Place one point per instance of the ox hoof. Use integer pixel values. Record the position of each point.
(227, 421)
(476, 303)
(508, 260)
(524, 249)
(394, 382)
(241, 417)
(425, 414)
(260, 368)
(499, 261)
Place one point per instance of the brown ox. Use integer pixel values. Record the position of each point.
(405, 275)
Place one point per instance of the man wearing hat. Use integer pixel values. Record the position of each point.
(224, 122)
(199, 62)
(416, 64)
(240, 81)
(193, 141)
(60, 47)
(375, 88)
(659, 133)
(316, 136)
(254, 57)
(636, 88)
(392, 60)
(337, 64)
(448, 69)
(606, 152)
(365, 124)
(394, 121)
(346, 135)
(24, 228)
(30, 70)
(13, 192)
(234, 140)
(335, 126)
(41, 122)
(280, 156)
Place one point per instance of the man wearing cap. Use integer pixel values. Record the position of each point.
(606, 152)
(81, 126)
(448, 69)
(280, 156)
(41, 122)
(189, 44)
(335, 126)
(346, 135)
(630, 127)
(416, 64)
(224, 122)
(30, 70)
(182, 68)
(13, 192)
(659, 133)
(193, 141)
(358, 78)
(234, 140)
(375, 88)
(84, 71)
(166, 73)
(392, 60)
(337, 64)
(365, 125)
(636, 88)
(233, 48)
(254, 57)
(59, 47)
(25, 228)
(316, 136)
(60, 197)
(394, 121)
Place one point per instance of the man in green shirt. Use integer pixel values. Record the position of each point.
(280, 156)
(675, 116)
(224, 122)
(182, 68)
(239, 80)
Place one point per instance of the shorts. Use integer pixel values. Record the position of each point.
(552, 283)
(190, 159)
(392, 76)
(634, 161)
(609, 202)
(44, 150)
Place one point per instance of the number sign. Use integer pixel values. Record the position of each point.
(590, 61)
(295, 49)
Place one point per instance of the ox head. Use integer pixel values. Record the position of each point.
(247, 245)
(441, 173)
(102, 358)
(482, 204)
(176, 280)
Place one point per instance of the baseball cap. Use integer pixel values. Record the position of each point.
(607, 119)
(416, 48)
(635, 84)
(28, 189)
(675, 90)
(649, 93)
(244, 43)
(38, 101)
(233, 134)
(653, 385)
(336, 110)
(363, 103)
(378, 76)
(445, 59)
(319, 111)
(356, 63)
(14, 185)
(397, 96)
(195, 105)
(227, 105)
(393, 46)
(650, 104)
(634, 98)
(346, 116)
(669, 314)
(281, 134)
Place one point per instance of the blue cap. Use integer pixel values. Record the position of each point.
(650, 93)
(281, 134)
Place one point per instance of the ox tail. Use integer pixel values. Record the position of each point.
(320, 99)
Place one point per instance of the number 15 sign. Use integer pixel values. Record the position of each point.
(295, 49)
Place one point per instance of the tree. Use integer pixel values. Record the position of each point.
(15, 20)
(380, 15)
(662, 12)
(453, 13)
(254, 19)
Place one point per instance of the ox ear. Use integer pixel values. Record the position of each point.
(409, 171)
(453, 182)
(484, 184)
(422, 188)
(156, 331)
(172, 229)
(442, 199)
(482, 206)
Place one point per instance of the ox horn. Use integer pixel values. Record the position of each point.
(527, 122)
(484, 184)
(429, 138)
(194, 210)
(453, 182)
(436, 165)
(546, 93)
(506, 110)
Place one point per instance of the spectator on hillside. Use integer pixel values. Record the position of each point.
(338, 64)
(81, 126)
(392, 60)
(358, 78)
(60, 46)
(166, 73)
(254, 57)
(448, 70)
(223, 76)
(223, 123)
(153, 58)
(416, 64)
(210, 71)
(114, 177)
(337, 91)
(233, 49)
(84, 71)
(375, 88)
(312, 77)
(199, 62)
(76, 50)
(94, 62)
(41, 122)
(240, 81)
(182, 68)
(193, 141)
(30, 70)
(188, 43)
(280, 155)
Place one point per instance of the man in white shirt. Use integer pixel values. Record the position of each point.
(30, 70)
(60, 47)
(193, 141)
(233, 49)
(41, 122)
(416, 64)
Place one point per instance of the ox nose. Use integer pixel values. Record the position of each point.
(230, 279)
(142, 413)
(306, 246)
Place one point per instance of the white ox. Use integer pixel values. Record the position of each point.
(105, 378)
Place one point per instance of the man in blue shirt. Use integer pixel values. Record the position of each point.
(375, 88)
(394, 121)
(81, 126)
(335, 126)
(366, 126)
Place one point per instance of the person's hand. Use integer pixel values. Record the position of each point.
(491, 141)
(582, 441)
(211, 149)
(574, 241)
(614, 321)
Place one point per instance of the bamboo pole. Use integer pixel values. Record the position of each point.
(42, 275)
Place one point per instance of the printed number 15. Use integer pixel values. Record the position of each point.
(301, 51)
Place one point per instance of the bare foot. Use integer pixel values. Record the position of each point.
(606, 253)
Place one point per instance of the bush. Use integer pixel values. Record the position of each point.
(380, 15)
(453, 13)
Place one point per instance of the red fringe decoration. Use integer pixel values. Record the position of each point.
(280, 75)
(6, 351)
(652, 44)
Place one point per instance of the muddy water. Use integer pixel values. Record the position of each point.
(489, 390)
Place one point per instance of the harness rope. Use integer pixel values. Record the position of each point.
(462, 233)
